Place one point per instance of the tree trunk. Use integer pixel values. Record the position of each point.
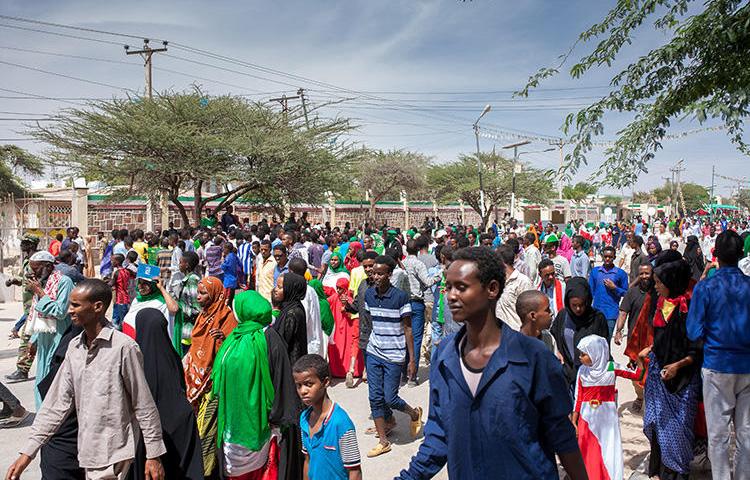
(197, 202)
(181, 208)
(372, 209)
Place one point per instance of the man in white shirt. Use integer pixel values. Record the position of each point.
(515, 284)
(708, 243)
(664, 237)
(532, 256)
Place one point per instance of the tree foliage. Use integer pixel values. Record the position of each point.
(702, 71)
(695, 196)
(580, 191)
(386, 174)
(460, 180)
(13, 161)
(179, 142)
(742, 198)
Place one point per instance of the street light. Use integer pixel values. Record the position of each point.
(515, 146)
(479, 162)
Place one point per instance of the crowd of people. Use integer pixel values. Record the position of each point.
(221, 342)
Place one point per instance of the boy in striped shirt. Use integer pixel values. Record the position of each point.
(329, 440)
(390, 340)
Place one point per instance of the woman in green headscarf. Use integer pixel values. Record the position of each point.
(336, 269)
(242, 383)
(326, 317)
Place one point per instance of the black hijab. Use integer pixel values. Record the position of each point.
(166, 381)
(578, 287)
(292, 321)
(591, 322)
(694, 258)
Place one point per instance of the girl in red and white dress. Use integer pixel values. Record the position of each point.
(595, 414)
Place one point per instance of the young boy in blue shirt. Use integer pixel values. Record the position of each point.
(499, 402)
(329, 440)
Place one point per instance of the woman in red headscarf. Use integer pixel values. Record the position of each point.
(344, 356)
(351, 262)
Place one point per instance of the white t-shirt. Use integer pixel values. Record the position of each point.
(562, 267)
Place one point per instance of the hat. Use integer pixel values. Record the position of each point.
(147, 272)
(551, 238)
(30, 238)
(440, 234)
(42, 256)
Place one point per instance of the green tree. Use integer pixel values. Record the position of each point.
(701, 71)
(15, 160)
(459, 180)
(695, 196)
(179, 142)
(386, 174)
(580, 191)
(742, 198)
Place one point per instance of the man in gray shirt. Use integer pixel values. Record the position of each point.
(102, 378)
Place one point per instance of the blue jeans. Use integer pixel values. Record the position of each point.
(611, 324)
(437, 336)
(417, 331)
(20, 322)
(119, 310)
(383, 380)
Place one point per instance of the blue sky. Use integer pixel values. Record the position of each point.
(419, 53)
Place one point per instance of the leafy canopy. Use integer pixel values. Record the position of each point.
(702, 71)
(460, 180)
(15, 160)
(183, 141)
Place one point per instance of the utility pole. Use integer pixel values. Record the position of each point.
(679, 200)
(301, 94)
(559, 145)
(146, 52)
(711, 200)
(284, 101)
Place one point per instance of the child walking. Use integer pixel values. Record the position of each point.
(329, 440)
(122, 282)
(595, 414)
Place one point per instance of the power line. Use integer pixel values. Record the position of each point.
(70, 77)
(73, 27)
(18, 27)
(39, 97)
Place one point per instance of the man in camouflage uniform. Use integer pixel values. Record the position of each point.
(26, 352)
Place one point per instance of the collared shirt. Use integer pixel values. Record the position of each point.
(106, 385)
(188, 298)
(515, 284)
(164, 262)
(277, 272)
(264, 282)
(719, 314)
(514, 425)
(333, 449)
(605, 300)
(580, 266)
(387, 311)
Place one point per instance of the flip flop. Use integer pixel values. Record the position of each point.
(15, 421)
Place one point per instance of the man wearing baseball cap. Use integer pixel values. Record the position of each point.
(29, 244)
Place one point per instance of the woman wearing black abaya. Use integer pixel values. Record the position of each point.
(59, 457)
(286, 407)
(694, 257)
(291, 323)
(166, 381)
(577, 320)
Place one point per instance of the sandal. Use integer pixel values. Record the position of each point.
(349, 380)
(379, 449)
(416, 425)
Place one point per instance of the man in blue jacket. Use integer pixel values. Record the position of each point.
(499, 403)
(608, 285)
(719, 315)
